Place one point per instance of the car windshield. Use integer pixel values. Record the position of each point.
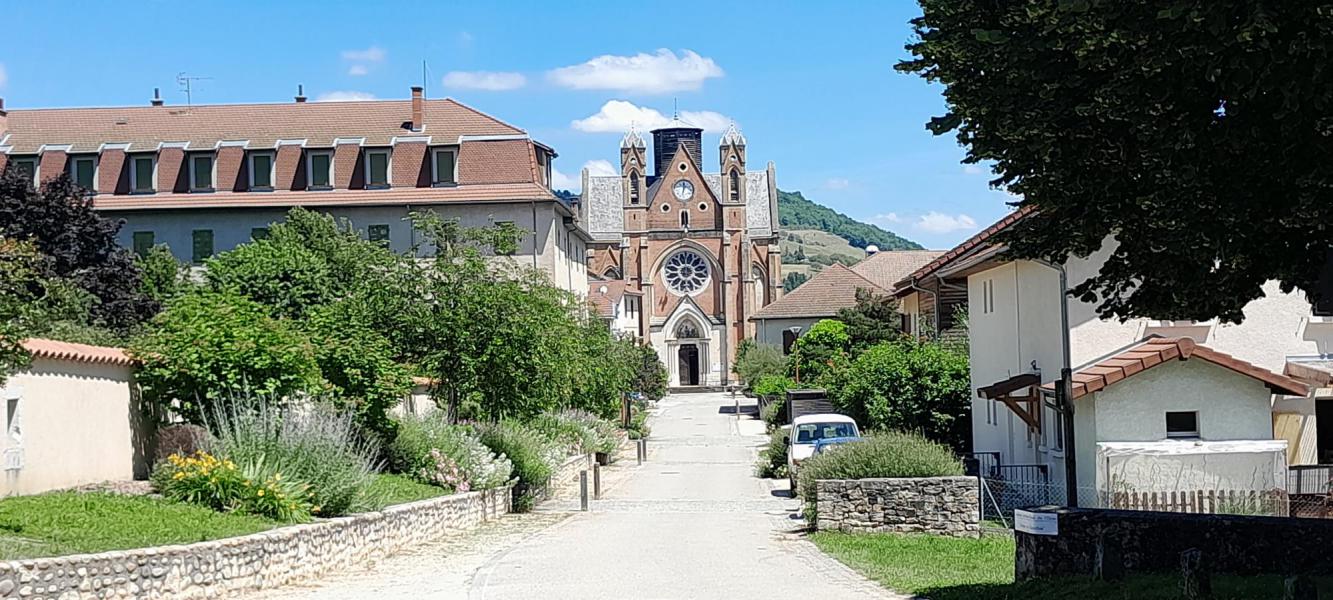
(809, 433)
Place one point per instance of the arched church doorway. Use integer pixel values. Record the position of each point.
(688, 366)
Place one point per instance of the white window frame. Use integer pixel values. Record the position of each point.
(309, 168)
(250, 170)
(35, 159)
(134, 174)
(13, 411)
(434, 167)
(388, 168)
(212, 176)
(73, 168)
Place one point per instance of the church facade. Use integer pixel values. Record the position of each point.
(695, 253)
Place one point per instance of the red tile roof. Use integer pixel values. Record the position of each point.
(965, 247)
(203, 126)
(1155, 351)
(488, 192)
(885, 269)
(829, 290)
(604, 302)
(55, 350)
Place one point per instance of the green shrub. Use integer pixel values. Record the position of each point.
(638, 422)
(535, 457)
(773, 458)
(774, 414)
(359, 368)
(880, 455)
(908, 386)
(430, 450)
(759, 361)
(314, 444)
(582, 431)
(772, 386)
(819, 349)
(255, 486)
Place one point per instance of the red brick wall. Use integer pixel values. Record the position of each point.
(4, 160)
(172, 174)
(111, 171)
(53, 164)
(409, 158)
(228, 166)
(287, 167)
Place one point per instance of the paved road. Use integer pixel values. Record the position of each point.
(692, 522)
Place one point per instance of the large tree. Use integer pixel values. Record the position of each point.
(80, 243)
(1198, 133)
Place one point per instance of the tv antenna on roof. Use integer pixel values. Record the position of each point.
(187, 85)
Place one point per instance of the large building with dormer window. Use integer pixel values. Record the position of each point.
(696, 253)
(203, 179)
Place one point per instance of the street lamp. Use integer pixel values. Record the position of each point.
(796, 336)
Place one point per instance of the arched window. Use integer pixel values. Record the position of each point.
(611, 273)
(684, 218)
(758, 289)
(687, 330)
(633, 188)
(735, 186)
(686, 273)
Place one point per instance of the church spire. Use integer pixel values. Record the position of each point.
(632, 138)
(732, 136)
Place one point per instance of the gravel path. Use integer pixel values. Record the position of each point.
(692, 522)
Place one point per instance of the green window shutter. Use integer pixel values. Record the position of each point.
(261, 169)
(379, 169)
(259, 233)
(444, 167)
(84, 169)
(143, 242)
(378, 233)
(143, 174)
(319, 169)
(203, 172)
(203, 245)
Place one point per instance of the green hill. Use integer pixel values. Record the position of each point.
(815, 236)
(796, 212)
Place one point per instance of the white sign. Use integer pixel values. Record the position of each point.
(1036, 523)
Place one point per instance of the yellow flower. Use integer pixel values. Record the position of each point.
(178, 476)
(314, 509)
(261, 491)
(277, 477)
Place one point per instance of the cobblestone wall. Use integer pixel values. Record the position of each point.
(938, 505)
(269, 559)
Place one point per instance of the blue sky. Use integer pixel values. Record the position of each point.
(811, 84)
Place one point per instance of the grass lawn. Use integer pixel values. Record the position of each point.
(953, 569)
(71, 523)
(390, 489)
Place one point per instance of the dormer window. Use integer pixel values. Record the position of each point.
(261, 171)
(83, 171)
(633, 188)
(377, 169)
(26, 165)
(201, 172)
(443, 167)
(319, 169)
(143, 170)
(735, 192)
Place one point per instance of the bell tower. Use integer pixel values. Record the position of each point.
(633, 153)
(732, 156)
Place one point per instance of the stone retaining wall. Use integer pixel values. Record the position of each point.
(939, 505)
(220, 568)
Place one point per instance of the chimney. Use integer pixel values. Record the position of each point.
(157, 97)
(418, 108)
(300, 93)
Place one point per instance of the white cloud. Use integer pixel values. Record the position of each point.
(4, 77)
(616, 116)
(372, 54)
(887, 218)
(344, 96)
(936, 222)
(561, 181)
(644, 73)
(484, 80)
(973, 170)
(837, 183)
(362, 60)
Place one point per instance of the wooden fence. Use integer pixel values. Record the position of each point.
(1235, 502)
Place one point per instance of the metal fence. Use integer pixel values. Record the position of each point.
(1309, 479)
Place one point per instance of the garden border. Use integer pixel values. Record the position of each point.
(257, 561)
(946, 506)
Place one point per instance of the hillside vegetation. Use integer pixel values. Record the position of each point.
(814, 237)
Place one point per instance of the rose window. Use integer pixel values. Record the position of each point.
(686, 273)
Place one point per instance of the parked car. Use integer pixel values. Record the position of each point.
(807, 431)
(825, 445)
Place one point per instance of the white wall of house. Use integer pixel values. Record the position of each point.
(626, 313)
(69, 423)
(910, 305)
